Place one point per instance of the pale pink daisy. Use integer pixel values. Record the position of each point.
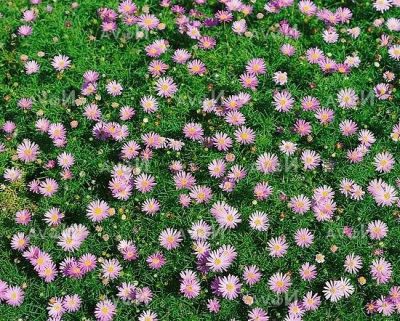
(256, 66)
(148, 316)
(14, 296)
(31, 67)
(384, 162)
(283, 101)
(252, 274)
(347, 98)
(48, 187)
(267, 163)
(310, 159)
(377, 230)
(259, 221)
(27, 151)
(105, 310)
(279, 283)
(308, 271)
(352, 263)
(300, 204)
(229, 286)
(61, 62)
(166, 87)
(348, 127)
(97, 210)
(170, 238)
(311, 301)
(277, 246)
(303, 237)
(381, 270)
(114, 88)
(394, 52)
(111, 269)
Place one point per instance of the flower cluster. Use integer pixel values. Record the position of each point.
(215, 155)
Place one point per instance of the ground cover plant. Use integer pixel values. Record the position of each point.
(199, 160)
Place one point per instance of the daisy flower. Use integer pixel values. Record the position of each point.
(166, 87)
(48, 187)
(267, 163)
(222, 141)
(352, 263)
(279, 283)
(170, 238)
(229, 286)
(283, 101)
(181, 56)
(256, 66)
(111, 269)
(259, 221)
(262, 190)
(19, 242)
(201, 194)
(303, 237)
(148, 316)
(196, 67)
(300, 204)
(97, 210)
(144, 183)
(249, 80)
(348, 127)
(61, 62)
(148, 21)
(310, 159)
(384, 162)
(311, 301)
(105, 310)
(72, 303)
(114, 88)
(31, 67)
(394, 52)
(381, 270)
(156, 260)
(308, 271)
(27, 151)
(347, 98)
(14, 296)
(277, 247)
(149, 104)
(377, 230)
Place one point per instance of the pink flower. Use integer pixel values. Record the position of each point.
(170, 238)
(61, 62)
(303, 237)
(310, 159)
(114, 88)
(27, 151)
(251, 275)
(267, 163)
(14, 296)
(283, 101)
(97, 210)
(111, 269)
(279, 283)
(262, 190)
(308, 271)
(166, 87)
(277, 247)
(377, 230)
(105, 310)
(384, 162)
(381, 270)
(156, 260)
(229, 286)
